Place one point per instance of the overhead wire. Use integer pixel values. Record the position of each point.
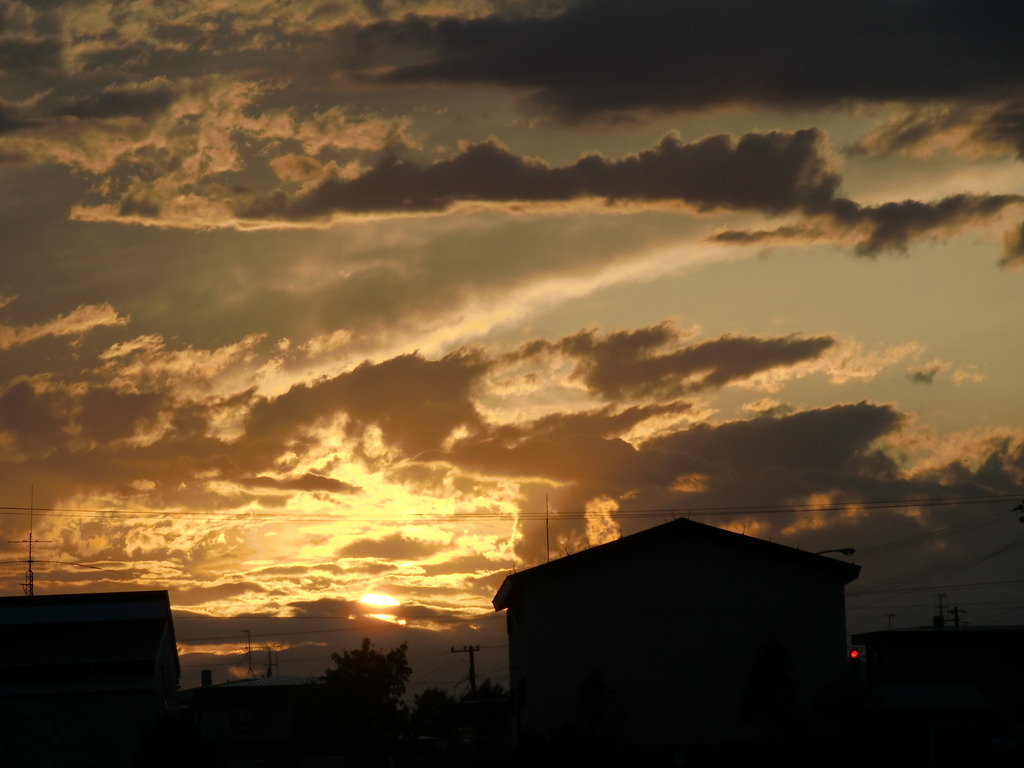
(277, 517)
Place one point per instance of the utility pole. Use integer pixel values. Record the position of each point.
(547, 530)
(940, 619)
(890, 616)
(470, 649)
(956, 611)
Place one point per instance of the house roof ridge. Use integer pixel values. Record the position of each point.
(678, 526)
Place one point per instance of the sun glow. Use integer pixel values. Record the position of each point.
(387, 617)
(382, 601)
(379, 600)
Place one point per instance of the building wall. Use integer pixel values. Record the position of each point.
(88, 730)
(84, 679)
(672, 630)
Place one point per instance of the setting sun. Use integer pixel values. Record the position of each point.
(378, 600)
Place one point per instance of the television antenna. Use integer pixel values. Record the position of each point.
(28, 586)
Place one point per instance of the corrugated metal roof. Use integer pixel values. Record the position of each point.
(270, 682)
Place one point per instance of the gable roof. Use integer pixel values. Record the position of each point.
(606, 554)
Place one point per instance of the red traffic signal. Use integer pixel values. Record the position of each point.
(854, 654)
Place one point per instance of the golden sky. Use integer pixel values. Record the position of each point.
(305, 301)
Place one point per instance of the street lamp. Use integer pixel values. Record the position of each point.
(843, 551)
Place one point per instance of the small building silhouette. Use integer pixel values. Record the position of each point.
(989, 659)
(255, 717)
(950, 693)
(84, 678)
(680, 634)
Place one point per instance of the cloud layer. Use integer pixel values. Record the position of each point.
(305, 301)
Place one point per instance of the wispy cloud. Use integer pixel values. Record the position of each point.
(75, 323)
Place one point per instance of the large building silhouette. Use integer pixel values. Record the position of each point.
(85, 679)
(682, 633)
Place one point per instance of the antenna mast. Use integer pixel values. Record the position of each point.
(248, 652)
(28, 586)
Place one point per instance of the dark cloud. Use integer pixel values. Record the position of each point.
(415, 403)
(772, 172)
(202, 594)
(831, 440)
(110, 415)
(309, 482)
(924, 375)
(999, 469)
(393, 547)
(466, 564)
(139, 206)
(748, 237)
(885, 227)
(285, 570)
(609, 56)
(598, 423)
(891, 226)
(324, 607)
(963, 127)
(581, 447)
(11, 118)
(636, 363)
(38, 420)
(24, 54)
(768, 460)
(140, 101)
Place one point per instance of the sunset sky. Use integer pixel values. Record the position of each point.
(304, 301)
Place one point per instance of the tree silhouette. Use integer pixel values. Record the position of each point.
(364, 693)
(433, 713)
(485, 691)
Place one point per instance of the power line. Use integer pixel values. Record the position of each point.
(968, 561)
(932, 587)
(970, 525)
(764, 509)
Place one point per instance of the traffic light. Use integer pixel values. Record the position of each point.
(855, 666)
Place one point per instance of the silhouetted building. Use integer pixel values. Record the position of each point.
(83, 678)
(680, 634)
(258, 716)
(946, 692)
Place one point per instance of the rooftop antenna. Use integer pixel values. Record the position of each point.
(248, 652)
(271, 663)
(28, 586)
